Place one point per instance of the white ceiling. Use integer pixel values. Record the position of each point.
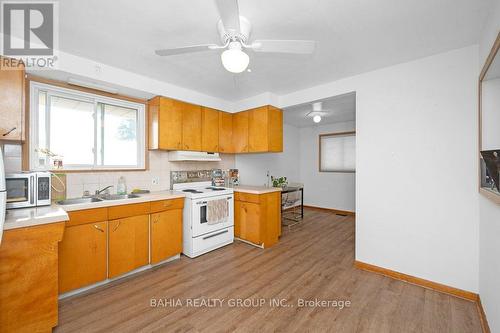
(340, 108)
(353, 37)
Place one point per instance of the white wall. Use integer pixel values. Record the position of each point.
(489, 213)
(253, 167)
(324, 189)
(416, 165)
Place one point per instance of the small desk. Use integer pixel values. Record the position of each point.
(290, 189)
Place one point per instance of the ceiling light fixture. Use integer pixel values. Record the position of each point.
(317, 118)
(234, 59)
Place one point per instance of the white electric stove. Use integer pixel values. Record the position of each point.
(199, 237)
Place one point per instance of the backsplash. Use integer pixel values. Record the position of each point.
(159, 169)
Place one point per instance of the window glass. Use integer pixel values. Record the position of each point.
(119, 135)
(72, 130)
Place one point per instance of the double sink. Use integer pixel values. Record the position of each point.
(99, 198)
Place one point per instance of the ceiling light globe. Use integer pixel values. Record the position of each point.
(317, 118)
(234, 60)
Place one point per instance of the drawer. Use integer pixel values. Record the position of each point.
(159, 206)
(247, 197)
(84, 216)
(118, 212)
(212, 240)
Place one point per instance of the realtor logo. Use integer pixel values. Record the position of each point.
(29, 31)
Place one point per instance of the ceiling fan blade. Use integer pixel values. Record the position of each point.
(229, 14)
(284, 46)
(185, 49)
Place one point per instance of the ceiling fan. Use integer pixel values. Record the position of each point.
(317, 112)
(234, 31)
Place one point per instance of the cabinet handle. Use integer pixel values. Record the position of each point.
(9, 131)
(97, 227)
(116, 227)
(166, 204)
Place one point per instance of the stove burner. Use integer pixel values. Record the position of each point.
(192, 191)
(215, 188)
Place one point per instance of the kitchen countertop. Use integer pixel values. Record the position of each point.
(153, 196)
(26, 217)
(255, 189)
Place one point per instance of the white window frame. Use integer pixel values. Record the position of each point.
(51, 90)
(321, 136)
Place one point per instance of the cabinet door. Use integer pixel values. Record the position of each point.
(248, 226)
(169, 125)
(191, 126)
(258, 130)
(209, 130)
(240, 132)
(11, 99)
(82, 256)
(128, 244)
(275, 130)
(225, 132)
(166, 235)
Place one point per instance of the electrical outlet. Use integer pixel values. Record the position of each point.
(155, 181)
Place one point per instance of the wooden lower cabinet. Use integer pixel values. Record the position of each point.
(166, 235)
(28, 278)
(82, 256)
(257, 217)
(247, 224)
(128, 244)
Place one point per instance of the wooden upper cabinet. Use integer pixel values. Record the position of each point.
(240, 132)
(11, 99)
(191, 126)
(275, 131)
(128, 244)
(166, 235)
(265, 129)
(82, 256)
(165, 124)
(210, 130)
(226, 132)
(176, 125)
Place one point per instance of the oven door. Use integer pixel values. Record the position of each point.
(20, 191)
(199, 222)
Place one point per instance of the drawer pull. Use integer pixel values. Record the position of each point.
(9, 131)
(97, 227)
(166, 204)
(114, 229)
(217, 234)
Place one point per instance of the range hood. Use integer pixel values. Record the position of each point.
(183, 155)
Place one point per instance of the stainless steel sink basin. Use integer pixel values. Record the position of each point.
(119, 196)
(78, 201)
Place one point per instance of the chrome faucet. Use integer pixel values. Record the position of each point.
(97, 192)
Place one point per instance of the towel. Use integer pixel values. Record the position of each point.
(217, 211)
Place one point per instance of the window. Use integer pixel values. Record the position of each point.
(86, 131)
(337, 152)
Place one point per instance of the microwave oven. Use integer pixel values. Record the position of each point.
(28, 189)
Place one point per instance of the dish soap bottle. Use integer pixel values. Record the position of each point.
(122, 186)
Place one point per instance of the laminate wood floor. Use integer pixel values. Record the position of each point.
(312, 261)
